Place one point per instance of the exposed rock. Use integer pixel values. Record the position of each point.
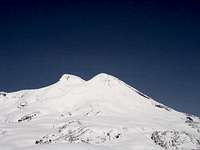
(3, 94)
(28, 117)
(174, 139)
(162, 106)
(75, 132)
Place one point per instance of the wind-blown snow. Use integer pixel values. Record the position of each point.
(101, 111)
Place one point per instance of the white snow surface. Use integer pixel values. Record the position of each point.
(101, 113)
(66, 147)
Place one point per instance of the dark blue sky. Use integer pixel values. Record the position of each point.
(152, 45)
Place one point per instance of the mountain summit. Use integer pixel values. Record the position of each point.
(71, 79)
(101, 111)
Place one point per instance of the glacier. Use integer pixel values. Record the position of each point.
(101, 113)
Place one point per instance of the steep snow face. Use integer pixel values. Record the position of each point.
(101, 111)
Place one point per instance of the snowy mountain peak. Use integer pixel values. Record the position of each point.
(71, 79)
(101, 111)
(104, 78)
(110, 81)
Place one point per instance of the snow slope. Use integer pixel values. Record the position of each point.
(66, 146)
(101, 111)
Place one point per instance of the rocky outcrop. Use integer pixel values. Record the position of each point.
(174, 139)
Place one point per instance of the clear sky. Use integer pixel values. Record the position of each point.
(152, 45)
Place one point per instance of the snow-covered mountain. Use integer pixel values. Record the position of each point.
(103, 111)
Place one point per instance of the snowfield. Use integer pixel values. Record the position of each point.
(66, 147)
(103, 113)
